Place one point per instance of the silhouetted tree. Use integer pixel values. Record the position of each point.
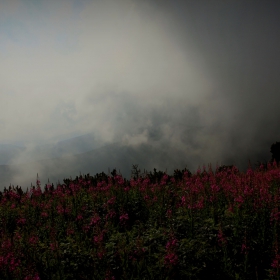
(178, 174)
(135, 172)
(114, 172)
(275, 150)
(227, 169)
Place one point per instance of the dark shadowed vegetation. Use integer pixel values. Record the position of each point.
(221, 224)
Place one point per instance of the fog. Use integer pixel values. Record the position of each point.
(164, 84)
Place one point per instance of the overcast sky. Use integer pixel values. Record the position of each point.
(202, 76)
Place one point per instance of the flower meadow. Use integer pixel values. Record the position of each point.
(220, 224)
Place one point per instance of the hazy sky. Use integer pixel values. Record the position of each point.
(202, 76)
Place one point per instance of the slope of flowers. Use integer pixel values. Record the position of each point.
(219, 225)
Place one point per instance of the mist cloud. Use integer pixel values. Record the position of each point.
(196, 79)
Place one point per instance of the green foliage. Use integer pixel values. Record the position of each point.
(186, 226)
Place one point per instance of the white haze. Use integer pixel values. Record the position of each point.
(130, 72)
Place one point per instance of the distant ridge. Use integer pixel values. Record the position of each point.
(11, 154)
(111, 156)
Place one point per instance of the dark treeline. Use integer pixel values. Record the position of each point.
(275, 157)
(154, 177)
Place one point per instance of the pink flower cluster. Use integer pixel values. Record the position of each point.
(9, 261)
(221, 238)
(171, 258)
(124, 218)
(36, 277)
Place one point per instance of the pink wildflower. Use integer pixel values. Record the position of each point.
(170, 259)
(169, 213)
(276, 262)
(79, 218)
(85, 228)
(244, 249)
(54, 246)
(36, 277)
(33, 240)
(215, 188)
(17, 235)
(98, 238)
(221, 238)
(14, 264)
(111, 201)
(111, 214)
(44, 214)
(95, 220)
(109, 276)
(21, 221)
(146, 197)
(124, 218)
(275, 215)
(171, 244)
(70, 231)
(101, 254)
(183, 201)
